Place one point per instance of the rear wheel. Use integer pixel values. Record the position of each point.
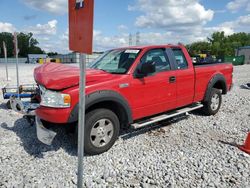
(101, 131)
(212, 106)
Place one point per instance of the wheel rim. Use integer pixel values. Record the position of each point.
(215, 102)
(101, 133)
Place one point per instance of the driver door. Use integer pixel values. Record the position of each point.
(154, 93)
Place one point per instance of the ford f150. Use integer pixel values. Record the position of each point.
(134, 86)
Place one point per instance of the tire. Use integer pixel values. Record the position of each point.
(212, 105)
(102, 129)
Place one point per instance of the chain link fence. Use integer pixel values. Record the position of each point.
(65, 59)
(13, 60)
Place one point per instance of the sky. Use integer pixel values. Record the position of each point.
(156, 21)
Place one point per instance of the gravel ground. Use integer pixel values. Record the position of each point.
(195, 151)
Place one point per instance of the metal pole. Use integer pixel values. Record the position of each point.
(6, 61)
(81, 121)
(6, 67)
(17, 71)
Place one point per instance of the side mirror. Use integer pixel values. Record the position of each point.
(145, 69)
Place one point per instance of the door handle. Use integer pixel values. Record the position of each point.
(172, 79)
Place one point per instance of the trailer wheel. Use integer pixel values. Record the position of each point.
(101, 131)
(212, 105)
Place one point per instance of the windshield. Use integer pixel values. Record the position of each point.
(116, 61)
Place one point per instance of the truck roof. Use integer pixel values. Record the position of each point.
(150, 46)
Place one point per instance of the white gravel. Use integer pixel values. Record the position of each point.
(192, 152)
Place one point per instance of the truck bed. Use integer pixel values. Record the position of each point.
(208, 64)
(204, 72)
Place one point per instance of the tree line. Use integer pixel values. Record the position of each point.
(219, 44)
(26, 44)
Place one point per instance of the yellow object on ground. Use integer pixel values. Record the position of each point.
(41, 61)
(202, 55)
(49, 60)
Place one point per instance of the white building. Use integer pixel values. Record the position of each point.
(33, 58)
(75, 57)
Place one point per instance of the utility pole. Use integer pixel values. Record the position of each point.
(137, 38)
(6, 61)
(16, 51)
(130, 39)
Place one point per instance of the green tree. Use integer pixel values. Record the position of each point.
(8, 39)
(198, 48)
(52, 54)
(237, 40)
(36, 50)
(220, 45)
(26, 44)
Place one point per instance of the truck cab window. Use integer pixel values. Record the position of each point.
(159, 57)
(116, 61)
(180, 59)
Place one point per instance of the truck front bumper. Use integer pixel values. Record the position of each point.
(45, 135)
(53, 115)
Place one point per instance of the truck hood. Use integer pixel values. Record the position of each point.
(58, 76)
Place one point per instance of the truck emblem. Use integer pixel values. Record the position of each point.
(79, 4)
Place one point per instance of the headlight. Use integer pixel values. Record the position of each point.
(54, 99)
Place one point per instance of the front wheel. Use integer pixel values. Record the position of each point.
(101, 131)
(212, 106)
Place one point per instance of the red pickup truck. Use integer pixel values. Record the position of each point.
(134, 86)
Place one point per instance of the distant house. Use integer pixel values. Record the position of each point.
(68, 58)
(245, 51)
(34, 58)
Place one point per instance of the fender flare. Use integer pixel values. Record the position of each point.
(102, 96)
(215, 79)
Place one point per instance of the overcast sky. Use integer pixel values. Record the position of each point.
(158, 21)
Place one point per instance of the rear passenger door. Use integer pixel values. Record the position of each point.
(184, 79)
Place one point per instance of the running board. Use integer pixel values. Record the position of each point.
(165, 116)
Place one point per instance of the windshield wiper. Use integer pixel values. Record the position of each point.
(104, 70)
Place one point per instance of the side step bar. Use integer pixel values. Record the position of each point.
(165, 116)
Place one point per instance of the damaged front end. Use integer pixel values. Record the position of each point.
(45, 135)
(28, 109)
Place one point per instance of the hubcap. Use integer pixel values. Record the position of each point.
(215, 102)
(102, 132)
